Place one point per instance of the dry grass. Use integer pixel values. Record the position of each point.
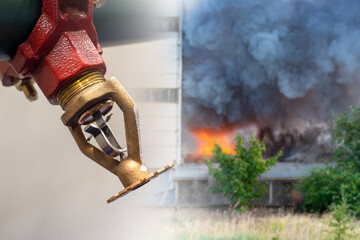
(197, 224)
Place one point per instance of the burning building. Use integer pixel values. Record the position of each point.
(283, 66)
(278, 70)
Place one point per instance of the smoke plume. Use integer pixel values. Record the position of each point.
(273, 63)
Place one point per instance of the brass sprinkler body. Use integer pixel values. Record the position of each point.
(86, 100)
(61, 55)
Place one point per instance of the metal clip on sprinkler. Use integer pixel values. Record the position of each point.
(85, 102)
(63, 56)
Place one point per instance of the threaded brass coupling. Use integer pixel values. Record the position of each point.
(78, 84)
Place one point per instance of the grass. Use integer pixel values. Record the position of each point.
(200, 224)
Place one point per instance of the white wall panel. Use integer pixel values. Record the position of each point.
(158, 110)
(167, 8)
(154, 81)
(144, 65)
(170, 40)
(166, 52)
(156, 157)
(150, 124)
(157, 138)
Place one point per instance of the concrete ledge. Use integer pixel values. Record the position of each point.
(281, 171)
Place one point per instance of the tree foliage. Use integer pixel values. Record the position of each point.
(236, 175)
(346, 136)
(341, 222)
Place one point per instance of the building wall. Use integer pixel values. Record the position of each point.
(151, 72)
(193, 183)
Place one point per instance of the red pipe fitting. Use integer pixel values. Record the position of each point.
(62, 45)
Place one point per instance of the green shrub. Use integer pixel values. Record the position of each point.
(236, 174)
(322, 187)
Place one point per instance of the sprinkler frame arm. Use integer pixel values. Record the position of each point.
(131, 171)
(110, 89)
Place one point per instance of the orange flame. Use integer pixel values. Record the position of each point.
(207, 137)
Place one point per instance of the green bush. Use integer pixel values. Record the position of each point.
(236, 174)
(322, 187)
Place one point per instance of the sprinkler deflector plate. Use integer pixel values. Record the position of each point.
(141, 182)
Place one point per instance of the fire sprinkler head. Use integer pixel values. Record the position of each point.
(85, 101)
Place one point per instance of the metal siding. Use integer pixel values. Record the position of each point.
(153, 64)
(155, 157)
(160, 124)
(167, 8)
(155, 80)
(158, 110)
(157, 138)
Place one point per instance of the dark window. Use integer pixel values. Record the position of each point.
(156, 95)
(159, 95)
(174, 96)
(164, 95)
(167, 24)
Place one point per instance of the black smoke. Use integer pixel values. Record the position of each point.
(269, 62)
